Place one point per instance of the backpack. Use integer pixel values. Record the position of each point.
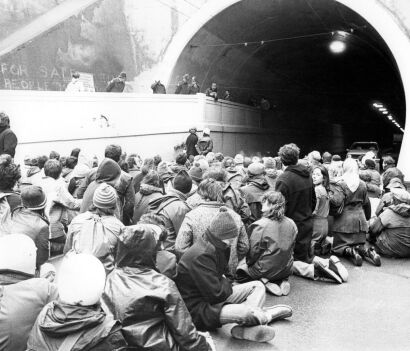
(5, 215)
(337, 197)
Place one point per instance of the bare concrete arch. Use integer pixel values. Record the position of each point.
(373, 11)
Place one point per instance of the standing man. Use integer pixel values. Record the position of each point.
(183, 86)
(212, 91)
(75, 85)
(190, 143)
(205, 144)
(8, 140)
(296, 185)
(117, 85)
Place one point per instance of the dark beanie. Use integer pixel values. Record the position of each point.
(370, 163)
(33, 198)
(182, 182)
(223, 225)
(108, 171)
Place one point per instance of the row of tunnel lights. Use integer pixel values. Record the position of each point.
(381, 108)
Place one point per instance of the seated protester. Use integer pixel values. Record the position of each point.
(196, 173)
(124, 187)
(22, 295)
(150, 189)
(180, 163)
(147, 303)
(256, 186)
(390, 171)
(133, 167)
(68, 168)
(34, 173)
(81, 170)
(166, 175)
(76, 320)
(96, 231)
(387, 198)
(238, 160)
(147, 166)
(372, 178)
(390, 231)
(210, 297)
(173, 208)
(29, 219)
(197, 221)
(270, 258)
(272, 173)
(61, 206)
(232, 175)
(9, 176)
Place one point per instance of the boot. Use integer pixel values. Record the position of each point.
(321, 271)
(354, 255)
(336, 266)
(370, 255)
(259, 333)
(277, 312)
(285, 287)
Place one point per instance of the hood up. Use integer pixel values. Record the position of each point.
(259, 181)
(158, 204)
(299, 169)
(401, 209)
(147, 189)
(109, 172)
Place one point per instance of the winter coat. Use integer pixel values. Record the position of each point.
(253, 192)
(197, 222)
(115, 86)
(389, 174)
(13, 199)
(8, 141)
(108, 228)
(58, 320)
(36, 227)
(234, 177)
(296, 185)
(204, 145)
(201, 282)
(394, 233)
(172, 208)
(20, 304)
(372, 179)
(235, 201)
(190, 143)
(271, 248)
(142, 198)
(125, 192)
(147, 303)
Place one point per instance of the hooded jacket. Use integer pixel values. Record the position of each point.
(8, 141)
(253, 192)
(20, 303)
(146, 193)
(58, 320)
(147, 303)
(172, 208)
(296, 185)
(201, 281)
(190, 143)
(204, 145)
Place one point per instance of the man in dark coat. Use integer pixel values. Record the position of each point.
(147, 303)
(296, 185)
(76, 321)
(190, 143)
(22, 296)
(210, 297)
(117, 84)
(124, 187)
(8, 140)
(183, 85)
(256, 186)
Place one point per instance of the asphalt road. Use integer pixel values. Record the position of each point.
(369, 312)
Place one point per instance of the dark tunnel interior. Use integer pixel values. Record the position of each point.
(280, 50)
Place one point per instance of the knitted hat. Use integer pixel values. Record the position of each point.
(182, 182)
(196, 173)
(33, 197)
(269, 163)
(401, 194)
(105, 196)
(256, 168)
(223, 225)
(370, 163)
(81, 279)
(18, 253)
(238, 159)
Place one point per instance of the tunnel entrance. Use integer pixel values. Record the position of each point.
(318, 99)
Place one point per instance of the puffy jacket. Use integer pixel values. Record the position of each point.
(146, 194)
(58, 320)
(147, 303)
(204, 145)
(201, 282)
(36, 227)
(253, 192)
(172, 208)
(20, 303)
(271, 248)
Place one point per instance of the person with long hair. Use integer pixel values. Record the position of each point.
(350, 228)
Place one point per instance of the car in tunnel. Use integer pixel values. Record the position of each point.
(360, 148)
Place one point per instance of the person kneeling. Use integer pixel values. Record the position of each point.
(210, 297)
(148, 303)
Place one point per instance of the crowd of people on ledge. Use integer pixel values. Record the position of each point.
(155, 253)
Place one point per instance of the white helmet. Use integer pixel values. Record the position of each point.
(81, 279)
(18, 253)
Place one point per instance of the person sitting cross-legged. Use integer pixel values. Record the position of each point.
(149, 305)
(210, 297)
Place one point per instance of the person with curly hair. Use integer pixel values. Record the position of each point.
(9, 176)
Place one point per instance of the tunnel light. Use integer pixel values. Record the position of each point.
(382, 109)
(402, 130)
(390, 117)
(385, 112)
(338, 43)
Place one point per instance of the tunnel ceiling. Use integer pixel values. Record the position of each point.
(299, 69)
